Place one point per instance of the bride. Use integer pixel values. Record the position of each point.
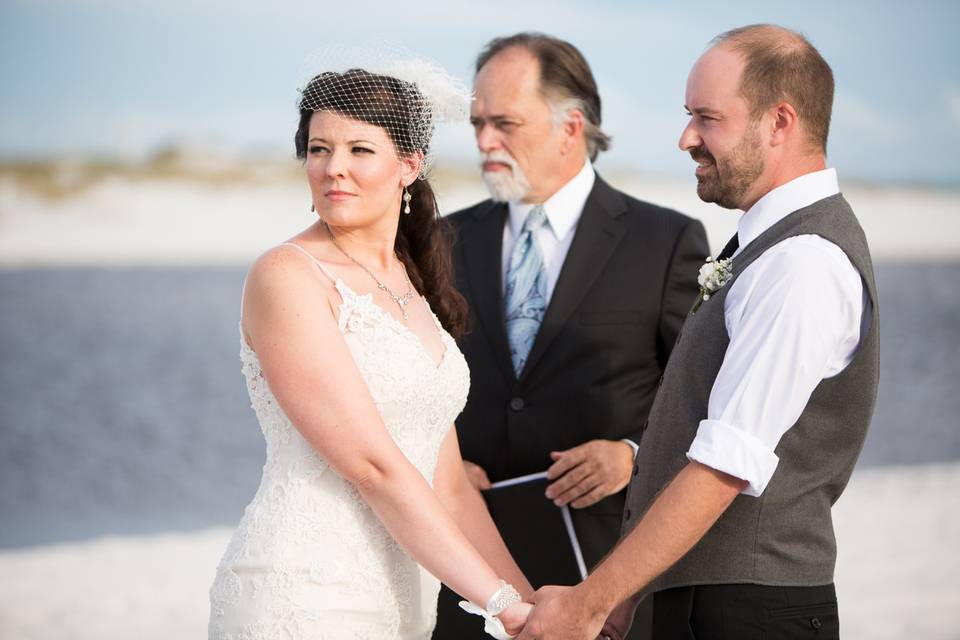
(356, 380)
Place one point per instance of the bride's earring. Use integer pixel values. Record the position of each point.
(406, 199)
(313, 209)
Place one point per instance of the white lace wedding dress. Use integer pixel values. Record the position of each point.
(310, 559)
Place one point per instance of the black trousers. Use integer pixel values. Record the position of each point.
(746, 612)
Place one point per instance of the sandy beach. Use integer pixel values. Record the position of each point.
(127, 448)
(896, 571)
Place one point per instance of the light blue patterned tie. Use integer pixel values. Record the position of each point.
(525, 297)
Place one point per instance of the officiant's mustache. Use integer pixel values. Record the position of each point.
(504, 186)
(500, 157)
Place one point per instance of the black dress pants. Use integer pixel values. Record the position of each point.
(746, 612)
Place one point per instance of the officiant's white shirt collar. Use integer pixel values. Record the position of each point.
(563, 208)
(780, 202)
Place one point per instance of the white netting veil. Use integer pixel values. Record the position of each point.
(387, 86)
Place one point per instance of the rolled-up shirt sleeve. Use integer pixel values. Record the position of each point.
(793, 318)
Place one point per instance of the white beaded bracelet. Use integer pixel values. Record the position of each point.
(502, 598)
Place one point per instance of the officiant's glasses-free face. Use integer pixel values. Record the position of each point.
(511, 116)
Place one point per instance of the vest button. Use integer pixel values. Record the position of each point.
(816, 623)
(516, 404)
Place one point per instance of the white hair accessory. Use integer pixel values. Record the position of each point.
(386, 86)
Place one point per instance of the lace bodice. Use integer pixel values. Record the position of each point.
(307, 531)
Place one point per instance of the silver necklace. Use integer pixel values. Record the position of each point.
(402, 301)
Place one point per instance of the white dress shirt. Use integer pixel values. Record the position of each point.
(563, 211)
(794, 317)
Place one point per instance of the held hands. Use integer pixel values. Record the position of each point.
(589, 472)
(515, 616)
(558, 614)
(505, 612)
(561, 614)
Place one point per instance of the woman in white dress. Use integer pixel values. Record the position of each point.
(356, 382)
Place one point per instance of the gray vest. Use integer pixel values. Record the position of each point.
(785, 536)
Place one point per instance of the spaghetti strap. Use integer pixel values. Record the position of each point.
(323, 269)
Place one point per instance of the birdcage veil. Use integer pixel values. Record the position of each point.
(385, 85)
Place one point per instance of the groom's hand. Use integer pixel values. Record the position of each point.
(590, 472)
(559, 614)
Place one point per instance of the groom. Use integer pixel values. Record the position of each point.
(766, 399)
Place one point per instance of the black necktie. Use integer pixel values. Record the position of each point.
(731, 248)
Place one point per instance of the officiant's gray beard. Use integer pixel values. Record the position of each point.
(505, 186)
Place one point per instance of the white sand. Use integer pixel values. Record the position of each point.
(169, 222)
(897, 529)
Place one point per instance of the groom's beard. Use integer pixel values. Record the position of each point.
(505, 186)
(730, 177)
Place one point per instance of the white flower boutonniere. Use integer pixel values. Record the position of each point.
(713, 275)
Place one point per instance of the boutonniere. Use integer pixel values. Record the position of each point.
(713, 275)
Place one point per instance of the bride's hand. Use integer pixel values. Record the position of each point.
(515, 616)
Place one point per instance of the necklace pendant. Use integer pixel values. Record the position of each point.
(400, 300)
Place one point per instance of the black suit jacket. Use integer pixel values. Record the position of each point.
(627, 283)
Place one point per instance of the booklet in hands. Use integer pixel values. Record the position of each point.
(539, 534)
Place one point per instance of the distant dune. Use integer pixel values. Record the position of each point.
(198, 208)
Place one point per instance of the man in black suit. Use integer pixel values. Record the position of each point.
(564, 363)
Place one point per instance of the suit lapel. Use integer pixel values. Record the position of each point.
(597, 235)
(483, 260)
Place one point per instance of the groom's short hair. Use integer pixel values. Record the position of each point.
(782, 65)
(566, 80)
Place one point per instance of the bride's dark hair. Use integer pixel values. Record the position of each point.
(424, 239)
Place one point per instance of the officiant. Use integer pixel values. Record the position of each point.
(576, 291)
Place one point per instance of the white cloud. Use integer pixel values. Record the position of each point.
(953, 105)
(362, 19)
(645, 137)
(854, 114)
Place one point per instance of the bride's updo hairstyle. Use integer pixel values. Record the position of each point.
(408, 117)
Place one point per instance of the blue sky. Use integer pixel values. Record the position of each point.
(125, 77)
